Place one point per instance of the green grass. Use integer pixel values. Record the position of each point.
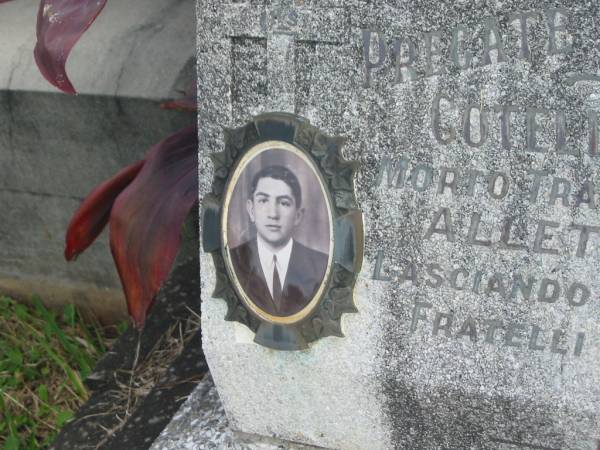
(44, 358)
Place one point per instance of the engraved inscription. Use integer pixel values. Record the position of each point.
(541, 132)
(438, 52)
(475, 121)
(540, 187)
(509, 288)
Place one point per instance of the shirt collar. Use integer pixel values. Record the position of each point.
(283, 255)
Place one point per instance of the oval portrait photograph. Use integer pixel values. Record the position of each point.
(277, 231)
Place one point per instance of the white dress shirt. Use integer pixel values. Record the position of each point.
(266, 261)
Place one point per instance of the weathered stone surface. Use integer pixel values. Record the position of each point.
(55, 148)
(201, 424)
(478, 305)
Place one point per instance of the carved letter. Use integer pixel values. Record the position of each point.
(522, 18)
(491, 29)
(437, 323)
(454, 278)
(473, 175)
(483, 126)
(444, 183)
(496, 284)
(533, 340)
(519, 284)
(492, 185)
(404, 64)
(561, 188)
(556, 338)
(427, 177)
(410, 273)
(468, 328)
(377, 273)
(544, 295)
(541, 236)
(431, 271)
(535, 186)
(512, 333)
(436, 121)
(395, 170)
(446, 230)
(418, 314)
(473, 229)
(583, 237)
(586, 195)
(572, 291)
(579, 344)
(561, 135)
(532, 129)
(593, 132)
(554, 15)
(493, 325)
(381, 49)
(505, 125)
(432, 39)
(456, 36)
(505, 236)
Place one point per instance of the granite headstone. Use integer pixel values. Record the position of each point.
(475, 124)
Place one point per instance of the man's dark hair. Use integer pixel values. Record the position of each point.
(279, 173)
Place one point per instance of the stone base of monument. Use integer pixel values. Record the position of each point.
(475, 131)
(201, 423)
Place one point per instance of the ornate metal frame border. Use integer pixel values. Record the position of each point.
(338, 174)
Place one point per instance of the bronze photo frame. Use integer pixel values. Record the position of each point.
(282, 136)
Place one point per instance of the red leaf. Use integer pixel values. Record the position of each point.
(93, 214)
(60, 24)
(146, 220)
(187, 103)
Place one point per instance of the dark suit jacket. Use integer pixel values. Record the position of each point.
(305, 273)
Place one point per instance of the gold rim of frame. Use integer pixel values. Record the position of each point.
(251, 154)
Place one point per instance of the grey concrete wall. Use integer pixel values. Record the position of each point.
(55, 148)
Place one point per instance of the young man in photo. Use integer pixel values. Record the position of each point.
(277, 273)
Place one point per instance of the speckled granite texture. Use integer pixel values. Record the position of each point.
(476, 126)
(201, 424)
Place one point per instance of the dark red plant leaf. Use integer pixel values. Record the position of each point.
(187, 103)
(60, 24)
(92, 216)
(4, 1)
(146, 219)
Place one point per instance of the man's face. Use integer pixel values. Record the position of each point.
(274, 211)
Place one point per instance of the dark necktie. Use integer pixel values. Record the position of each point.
(276, 284)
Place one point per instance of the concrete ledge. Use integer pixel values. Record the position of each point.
(107, 305)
